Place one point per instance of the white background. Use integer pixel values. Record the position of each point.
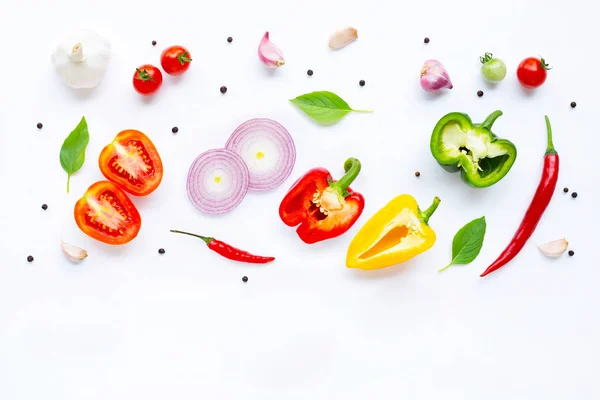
(128, 323)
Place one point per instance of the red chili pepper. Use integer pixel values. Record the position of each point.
(323, 208)
(536, 209)
(230, 252)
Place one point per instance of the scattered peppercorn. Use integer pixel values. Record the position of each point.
(44, 207)
(571, 253)
(223, 89)
(573, 104)
(574, 195)
(161, 251)
(480, 93)
(309, 72)
(426, 40)
(29, 258)
(245, 279)
(39, 125)
(229, 39)
(175, 129)
(362, 82)
(566, 190)
(154, 43)
(417, 174)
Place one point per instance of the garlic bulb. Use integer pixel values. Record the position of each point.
(73, 253)
(81, 59)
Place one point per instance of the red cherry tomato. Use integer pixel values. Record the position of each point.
(532, 72)
(147, 79)
(175, 60)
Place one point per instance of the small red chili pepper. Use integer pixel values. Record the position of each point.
(323, 208)
(536, 209)
(230, 252)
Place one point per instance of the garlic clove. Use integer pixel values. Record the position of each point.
(73, 253)
(342, 38)
(81, 58)
(434, 76)
(270, 54)
(554, 248)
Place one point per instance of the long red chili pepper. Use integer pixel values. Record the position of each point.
(230, 252)
(536, 209)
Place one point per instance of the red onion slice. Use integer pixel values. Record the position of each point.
(267, 148)
(217, 181)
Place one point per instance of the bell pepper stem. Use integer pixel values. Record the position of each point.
(550, 148)
(206, 239)
(352, 168)
(489, 121)
(425, 215)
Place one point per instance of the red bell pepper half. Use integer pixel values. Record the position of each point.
(324, 208)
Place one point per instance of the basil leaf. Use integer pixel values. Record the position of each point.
(72, 152)
(324, 106)
(467, 242)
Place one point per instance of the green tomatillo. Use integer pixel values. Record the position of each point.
(460, 145)
(493, 69)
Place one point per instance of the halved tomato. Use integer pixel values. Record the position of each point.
(105, 213)
(132, 162)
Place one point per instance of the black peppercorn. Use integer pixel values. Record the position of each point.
(362, 82)
(573, 104)
(29, 258)
(161, 251)
(229, 39)
(44, 207)
(175, 129)
(417, 174)
(571, 253)
(154, 43)
(39, 125)
(223, 89)
(245, 279)
(480, 93)
(309, 72)
(426, 40)
(574, 195)
(566, 190)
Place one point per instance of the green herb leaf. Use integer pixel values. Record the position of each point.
(324, 106)
(72, 152)
(467, 242)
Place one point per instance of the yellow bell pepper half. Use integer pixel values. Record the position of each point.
(396, 233)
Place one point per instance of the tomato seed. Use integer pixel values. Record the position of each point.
(245, 279)
(426, 40)
(309, 72)
(161, 251)
(154, 43)
(229, 39)
(573, 104)
(571, 253)
(175, 129)
(39, 125)
(29, 258)
(44, 207)
(574, 195)
(480, 93)
(362, 82)
(223, 89)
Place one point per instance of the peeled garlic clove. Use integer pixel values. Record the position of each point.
(342, 37)
(270, 54)
(434, 76)
(554, 248)
(74, 253)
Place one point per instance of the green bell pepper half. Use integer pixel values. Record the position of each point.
(460, 145)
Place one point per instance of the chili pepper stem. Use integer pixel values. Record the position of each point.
(352, 168)
(489, 121)
(206, 239)
(550, 149)
(425, 215)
